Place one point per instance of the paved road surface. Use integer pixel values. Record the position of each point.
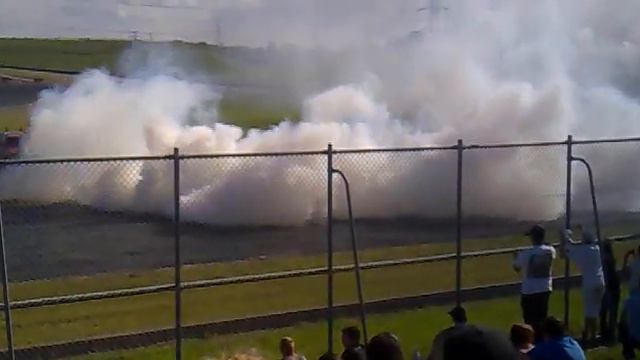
(18, 93)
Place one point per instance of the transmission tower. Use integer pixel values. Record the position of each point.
(433, 8)
(219, 40)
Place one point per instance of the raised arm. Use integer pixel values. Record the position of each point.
(517, 262)
(565, 241)
(625, 261)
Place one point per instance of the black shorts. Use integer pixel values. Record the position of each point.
(535, 308)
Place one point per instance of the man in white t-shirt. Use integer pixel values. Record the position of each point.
(535, 266)
(587, 256)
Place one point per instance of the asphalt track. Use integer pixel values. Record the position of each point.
(65, 239)
(12, 94)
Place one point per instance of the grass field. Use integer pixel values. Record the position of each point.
(40, 76)
(14, 118)
(81, 54)
(415, 329)
(238, 112)
(246, 111)
(99, 318)
(70, 55)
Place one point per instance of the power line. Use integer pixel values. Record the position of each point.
(433, 9)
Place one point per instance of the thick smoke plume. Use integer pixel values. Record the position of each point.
(509, 71)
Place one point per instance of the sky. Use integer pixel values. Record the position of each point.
(234, 22)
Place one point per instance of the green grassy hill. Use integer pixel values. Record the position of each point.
(69, 55)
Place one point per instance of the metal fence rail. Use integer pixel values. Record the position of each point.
(173, 165)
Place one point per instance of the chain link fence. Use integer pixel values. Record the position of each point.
(91, 243)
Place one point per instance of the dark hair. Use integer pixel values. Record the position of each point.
(553, 328)
(478, 344)
(384, 346)
(458, 314)
(536, 233)
(353, 333)
(538, 240)
(328, 356)
(521, 335)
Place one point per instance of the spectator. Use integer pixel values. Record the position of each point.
(384, 346)
(630, 325)
(353, 349)
(522, 336)
(587, 256)
(328, 356)
(459, 319)
(535, 265)
(471, 342)
(609, 308)
(556, 345)
(288, 349)
(632, 269)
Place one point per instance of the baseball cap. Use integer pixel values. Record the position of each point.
(536, 231)
(458, 314)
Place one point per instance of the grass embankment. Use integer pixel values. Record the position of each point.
(44, 77)
(98, 318)
(229, 65)
(415, 328)
(234, 111)
(14, 118)
(68, 55)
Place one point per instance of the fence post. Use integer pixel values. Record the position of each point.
(330, 248)
(567, 225)
(5, 293)
(594, 201)
(178, 261)
(459, 226)
(356, 261)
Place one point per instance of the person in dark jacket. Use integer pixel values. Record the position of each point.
(611, 300)
(353, 348)
(384, 346)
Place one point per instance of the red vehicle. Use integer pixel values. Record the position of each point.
(10, 142)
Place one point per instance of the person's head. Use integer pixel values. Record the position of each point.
(552, 328)
(521, 336)
(479, 344)
(384, 346)
(350, 336)
(287, 346)
(536, 234)
(328, 356)
(458, 315)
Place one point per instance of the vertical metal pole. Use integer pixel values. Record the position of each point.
(356, 260)
(594, 202)
(567, 225)
(5, 293)
(459, 226)
(330, 248)
(178, 261)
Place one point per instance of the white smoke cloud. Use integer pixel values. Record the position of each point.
(495, 72)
